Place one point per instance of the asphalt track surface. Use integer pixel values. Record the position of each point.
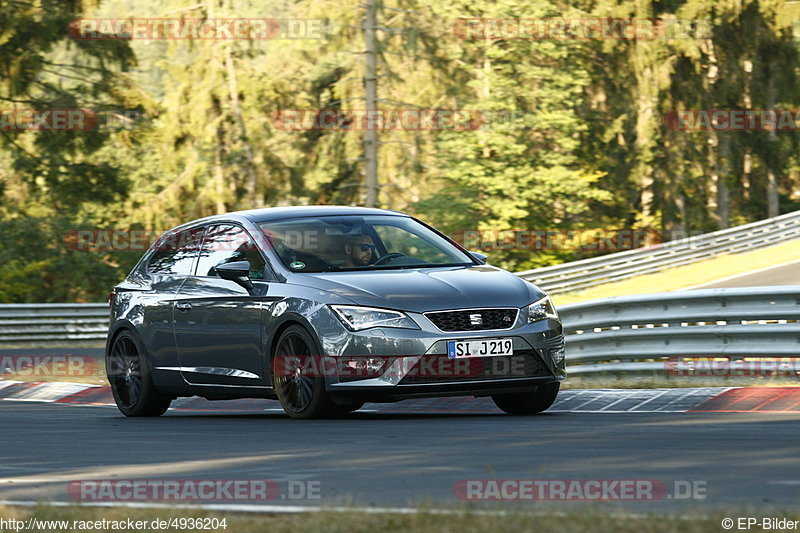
(405, 459)
(412, 457)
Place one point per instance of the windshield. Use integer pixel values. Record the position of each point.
(372, 242)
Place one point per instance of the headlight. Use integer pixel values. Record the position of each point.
(540, 310)
(357, 318)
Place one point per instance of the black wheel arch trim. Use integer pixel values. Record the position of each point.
(115, 329)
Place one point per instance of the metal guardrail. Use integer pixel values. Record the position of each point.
(53, 323)
(586, 273)
(640, 333)
(622, 334)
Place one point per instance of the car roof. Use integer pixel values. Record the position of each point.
(268, 214)
(280, 213)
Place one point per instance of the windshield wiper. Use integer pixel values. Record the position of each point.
(398, 267)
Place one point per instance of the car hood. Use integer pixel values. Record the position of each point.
(427, 289)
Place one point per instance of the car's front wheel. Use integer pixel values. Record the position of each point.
(301, 396)
(128, 373)
(528, 403)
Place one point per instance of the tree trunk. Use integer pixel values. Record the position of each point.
(773, 204)
(251, 199)
(723, 175)
(371, 93)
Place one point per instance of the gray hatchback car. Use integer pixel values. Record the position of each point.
(324, 308)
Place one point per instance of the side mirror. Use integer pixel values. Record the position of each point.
(238, 272)
(481, 258)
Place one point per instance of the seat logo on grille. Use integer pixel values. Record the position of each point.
(476, 319)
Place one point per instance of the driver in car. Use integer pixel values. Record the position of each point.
(358, 251)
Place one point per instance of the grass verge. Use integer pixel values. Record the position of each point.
(689, 275)
(586, 519)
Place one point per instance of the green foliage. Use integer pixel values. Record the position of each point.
(520, 169)
(42, 68)
(39, 262)
(574, 135)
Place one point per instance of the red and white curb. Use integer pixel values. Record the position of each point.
(46, 391)
(675, 400)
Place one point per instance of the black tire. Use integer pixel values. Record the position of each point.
(301, 396)
(528, 403)
(128, 372)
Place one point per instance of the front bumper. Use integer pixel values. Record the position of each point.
(417, 363)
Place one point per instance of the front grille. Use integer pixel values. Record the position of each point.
(473, 319)
(442, 369)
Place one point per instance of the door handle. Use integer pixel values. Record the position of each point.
(183, 306)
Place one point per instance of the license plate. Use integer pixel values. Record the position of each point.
(480, 348)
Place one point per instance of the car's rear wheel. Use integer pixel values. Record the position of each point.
(128, 373)
(301, 396)
(528, 403)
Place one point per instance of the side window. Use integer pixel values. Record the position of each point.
(227, 244)
(176, 252)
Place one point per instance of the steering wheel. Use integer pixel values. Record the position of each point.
(385, 258)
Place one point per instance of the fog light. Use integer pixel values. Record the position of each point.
(558, 355)
(366, 365)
